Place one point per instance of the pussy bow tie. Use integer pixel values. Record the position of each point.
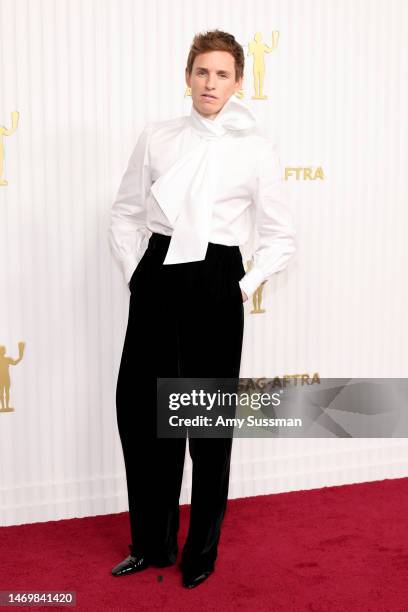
(185, 190)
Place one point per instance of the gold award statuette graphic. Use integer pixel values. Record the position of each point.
(5, 383)
(257, 49)
(6, 132)
(257, 295)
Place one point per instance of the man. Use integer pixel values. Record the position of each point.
(194, 188)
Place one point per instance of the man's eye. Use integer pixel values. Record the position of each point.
(224, 76)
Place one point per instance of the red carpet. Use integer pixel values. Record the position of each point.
(338, 548)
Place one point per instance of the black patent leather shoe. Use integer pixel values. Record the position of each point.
(130, 565)
(190, 581)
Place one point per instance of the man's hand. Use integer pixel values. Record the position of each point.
(244, 296)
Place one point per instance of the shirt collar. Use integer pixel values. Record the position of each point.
(235, 115)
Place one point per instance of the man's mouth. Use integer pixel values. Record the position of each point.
(208, 96)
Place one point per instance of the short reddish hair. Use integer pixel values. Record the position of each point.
(216, 40)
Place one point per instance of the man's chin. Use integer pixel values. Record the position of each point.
(208, 107)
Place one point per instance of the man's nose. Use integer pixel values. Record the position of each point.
(210, 83)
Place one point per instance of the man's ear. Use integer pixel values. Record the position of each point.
(187, 78)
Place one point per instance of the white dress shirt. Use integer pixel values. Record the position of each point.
(203, 180)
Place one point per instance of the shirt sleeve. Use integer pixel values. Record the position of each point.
(274, 224)
(128, 234)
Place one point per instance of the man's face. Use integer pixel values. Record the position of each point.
(213, 73)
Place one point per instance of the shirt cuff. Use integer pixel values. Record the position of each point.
(251, 281)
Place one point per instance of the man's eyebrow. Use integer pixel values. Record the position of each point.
(202, 68)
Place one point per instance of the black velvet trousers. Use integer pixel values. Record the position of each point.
(185, 320)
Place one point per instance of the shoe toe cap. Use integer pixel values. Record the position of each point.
(130, 565)
(191, 581)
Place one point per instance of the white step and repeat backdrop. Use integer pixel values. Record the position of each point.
(78, 80)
